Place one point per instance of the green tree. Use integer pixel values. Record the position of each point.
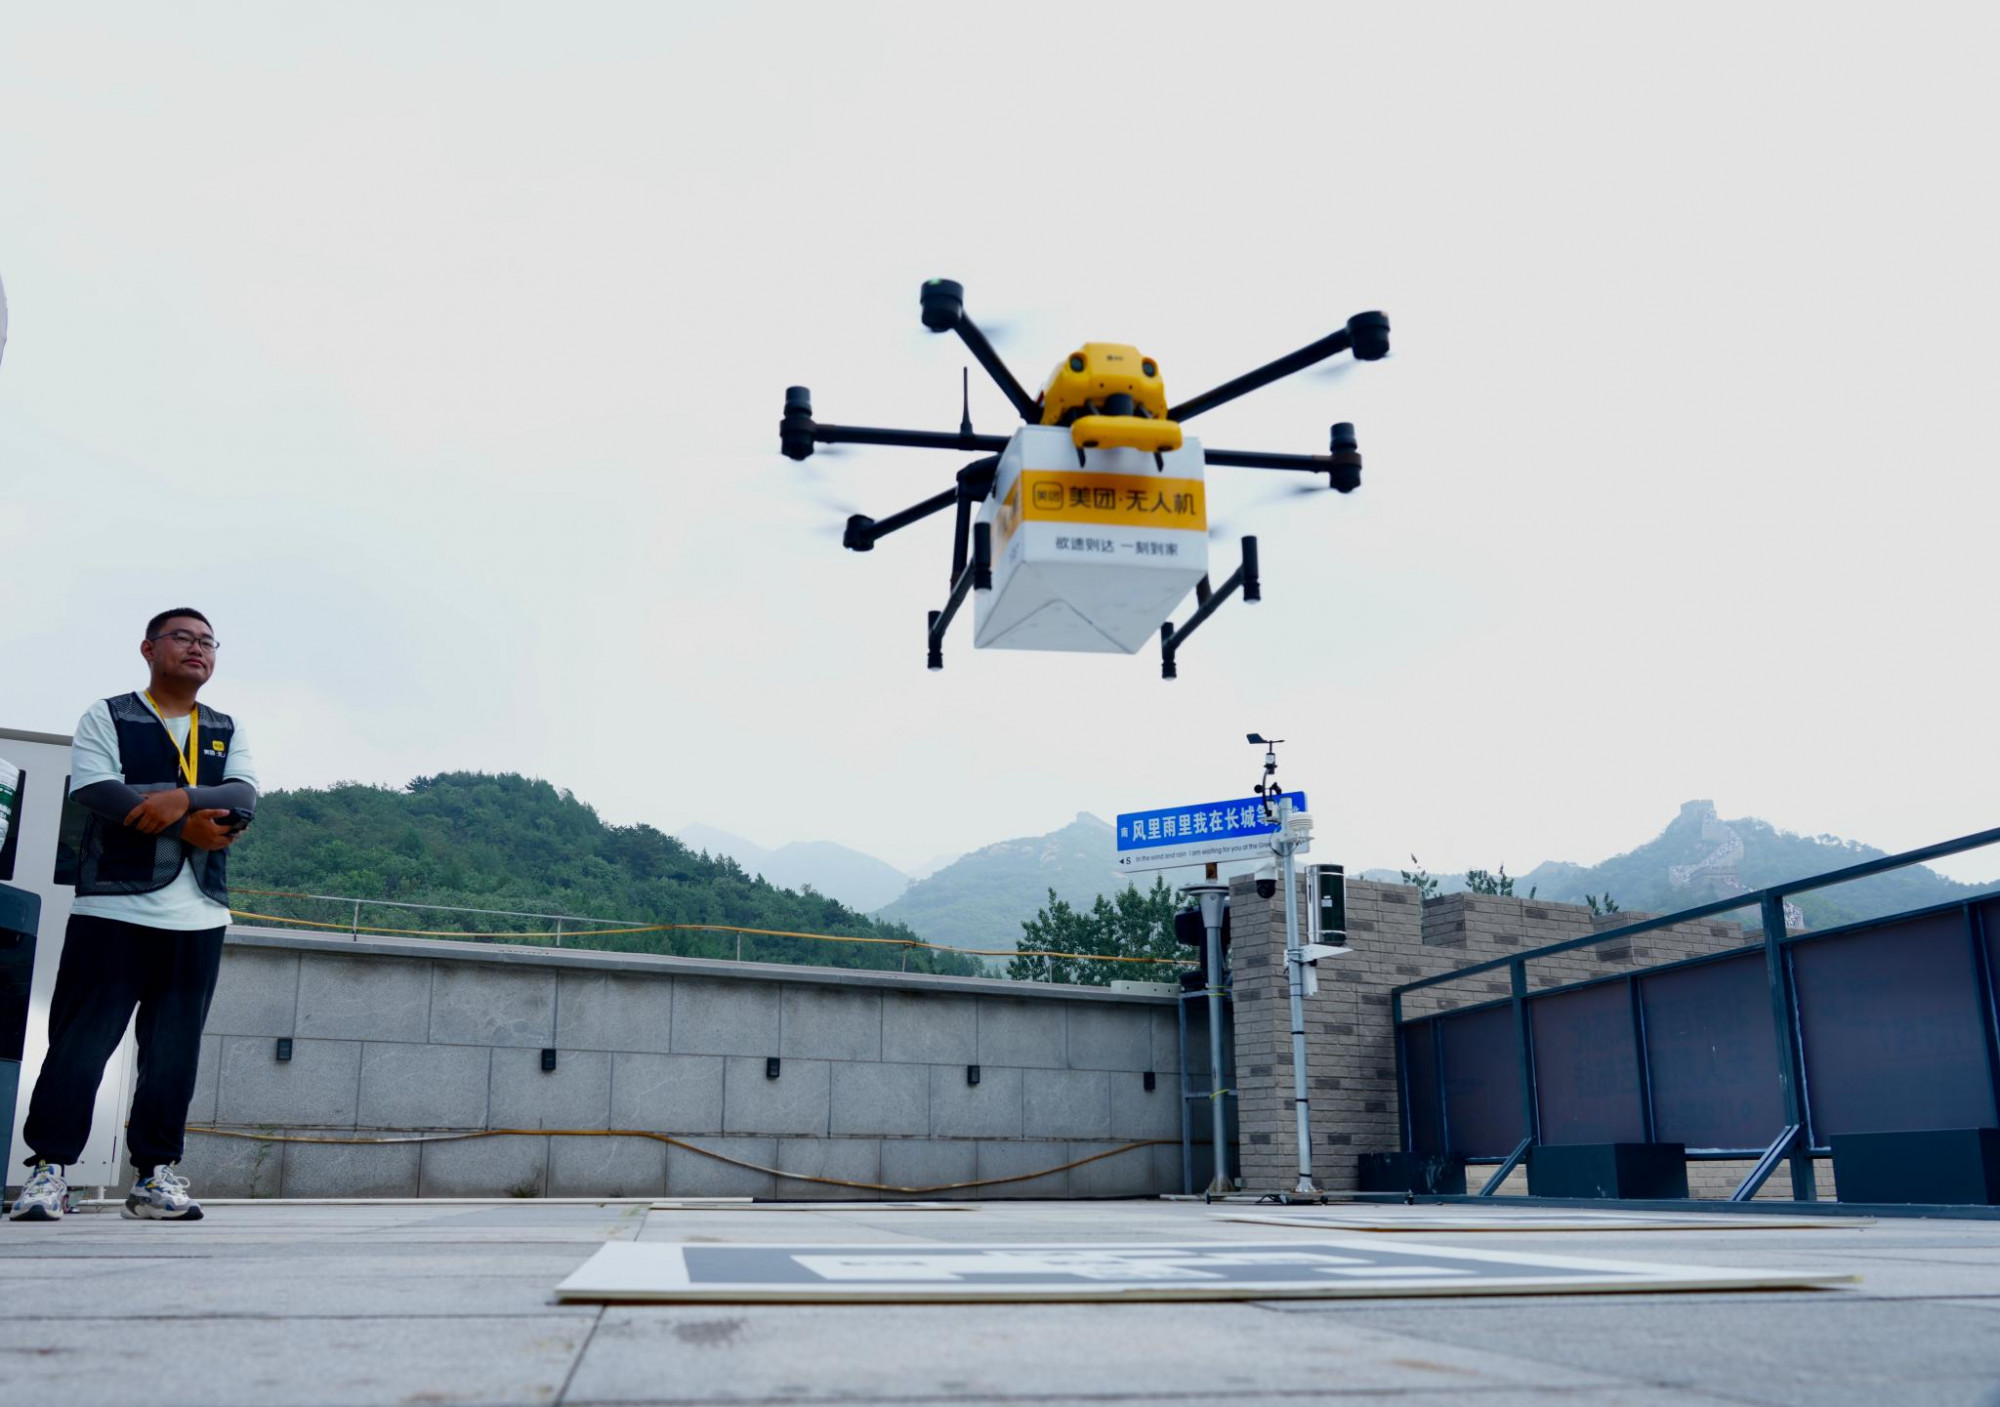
(1480, 882)
(1427, 887)
(1602, 904)
(1135, 924)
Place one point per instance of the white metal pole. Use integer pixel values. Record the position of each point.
(1212, 898)
(1295, 970)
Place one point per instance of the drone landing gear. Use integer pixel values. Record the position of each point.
(1207, 603)
(977, 576)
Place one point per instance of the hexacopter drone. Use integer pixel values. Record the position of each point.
(1095, 517)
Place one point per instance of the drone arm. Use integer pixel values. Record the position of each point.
(1342, 466)
(798, 432)
(1244, 577)
(1366, 334)
(944, 311)
(915, 513)
(906, 439)
(862, 530)
(981, 349)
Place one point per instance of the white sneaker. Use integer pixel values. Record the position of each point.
(161, 1197)
(42, 1197)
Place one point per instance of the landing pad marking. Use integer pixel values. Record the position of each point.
(1204, 1270)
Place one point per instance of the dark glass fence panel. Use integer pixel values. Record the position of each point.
(1713, 1055)
(1482, 1083)
(1892, 1029)
(1895, 1032)
(1421, 1093)
(1587, 1066)
(1989, 914)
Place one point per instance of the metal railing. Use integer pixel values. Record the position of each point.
(1792, 1142)
(587, 931)
(357, 905)
(678, 939)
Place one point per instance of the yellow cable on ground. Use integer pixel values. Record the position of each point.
(693, 927)
(670, 1140)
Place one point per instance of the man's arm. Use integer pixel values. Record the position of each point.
(238, 791)
(112, 800)
(166, 811)
(164, 808)
(97, 779)
(234, 794)
(153, 809)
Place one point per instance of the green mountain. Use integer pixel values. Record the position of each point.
(860, 881)
(1700, 857)
(981, 900)
(514, 843)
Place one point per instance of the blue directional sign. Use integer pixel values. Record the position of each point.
(1171, 836)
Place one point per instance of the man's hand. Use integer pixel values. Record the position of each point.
(204, 830)
(159, 810)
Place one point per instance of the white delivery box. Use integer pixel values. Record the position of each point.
(1091, 555)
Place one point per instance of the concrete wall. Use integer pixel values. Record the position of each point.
(1350, 1045)
(392, 1037)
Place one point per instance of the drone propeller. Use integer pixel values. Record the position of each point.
(1340, 369)
(1227, 527)
(822, 515)
(1002, 333)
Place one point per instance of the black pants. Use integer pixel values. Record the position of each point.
(108, 968)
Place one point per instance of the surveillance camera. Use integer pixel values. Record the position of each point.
(1267, 880)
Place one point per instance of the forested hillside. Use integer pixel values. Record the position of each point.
(510, 842)
(981, 900)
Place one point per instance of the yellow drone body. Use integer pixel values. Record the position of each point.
(1110, 397)
(1086, 526)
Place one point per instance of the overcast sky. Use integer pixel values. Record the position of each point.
(437, 352)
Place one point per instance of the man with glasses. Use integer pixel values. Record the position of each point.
(160, 787)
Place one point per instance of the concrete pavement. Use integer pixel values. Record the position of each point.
(451, 1303)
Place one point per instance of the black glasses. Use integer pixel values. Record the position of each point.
(188, 640)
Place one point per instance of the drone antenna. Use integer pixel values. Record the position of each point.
(965, 389)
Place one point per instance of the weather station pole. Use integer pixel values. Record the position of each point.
(1287, 845)
(1293, 834)
(1266, 828)
(1214, 899)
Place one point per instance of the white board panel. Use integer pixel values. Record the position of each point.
(1203, 1270)
(1437, 1219)
(744, 1204)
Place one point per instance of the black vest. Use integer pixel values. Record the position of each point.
(116, 859)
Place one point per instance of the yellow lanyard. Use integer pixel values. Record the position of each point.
(193, 747)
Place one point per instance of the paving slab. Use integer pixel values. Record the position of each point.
(1858, 1350)
(441, 1301)
(1029, 1353)
(114, 1360)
